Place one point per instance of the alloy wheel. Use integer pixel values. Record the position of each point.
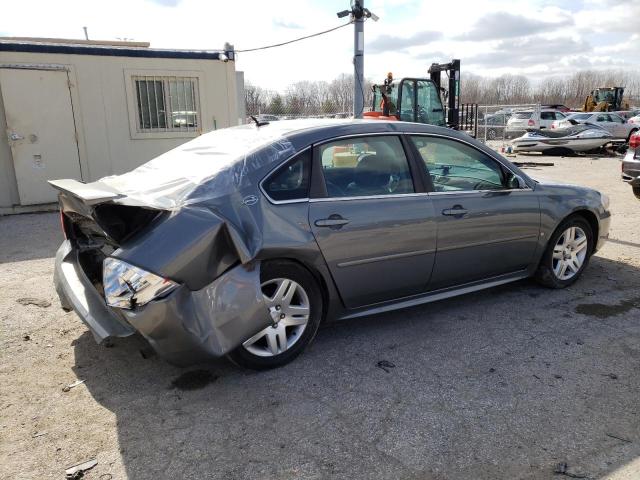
(569, 253)
(289, 309)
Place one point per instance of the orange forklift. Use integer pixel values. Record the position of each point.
(420, 100)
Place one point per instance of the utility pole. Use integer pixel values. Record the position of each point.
(358, 15)
(358, 58)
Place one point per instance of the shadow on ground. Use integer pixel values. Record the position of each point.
(501, 384)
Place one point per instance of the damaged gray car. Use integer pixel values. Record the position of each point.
(243, 240)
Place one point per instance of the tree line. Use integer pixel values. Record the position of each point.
(313, 98)
(570, 90)
(306, 98)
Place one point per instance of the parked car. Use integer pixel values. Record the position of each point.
(492, 127)
(611, 122)
(526, 119)
(627, 114)
(242, 240)
(635, 120)
(631, 164)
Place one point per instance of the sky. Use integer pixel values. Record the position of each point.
(536, 38)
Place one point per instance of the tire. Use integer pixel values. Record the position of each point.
(280, 343)
(636, 192)
(548, 273)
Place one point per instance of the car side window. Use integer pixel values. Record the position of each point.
(560, 115)
(601, 118)
(547, 116)
(365, 166)
(616, 118)
(291, 181)
(455, 166)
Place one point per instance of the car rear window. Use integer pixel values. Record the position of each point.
(522, 115)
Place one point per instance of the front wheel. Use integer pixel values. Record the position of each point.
(636, 192)
(567, 253)
(294, 308)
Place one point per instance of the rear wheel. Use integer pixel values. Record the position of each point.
(294, 307)
(636, 192)
(567, 253)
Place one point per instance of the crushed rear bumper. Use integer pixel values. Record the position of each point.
(184, 327)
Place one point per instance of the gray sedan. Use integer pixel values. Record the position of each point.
(243, 240)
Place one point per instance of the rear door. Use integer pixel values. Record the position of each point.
(487, 226)
(373, 223)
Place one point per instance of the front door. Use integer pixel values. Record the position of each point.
(487, 226)
(376, 233)
(40, 130)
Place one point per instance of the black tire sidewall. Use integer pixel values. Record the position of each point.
(545, 274)
(299, 274)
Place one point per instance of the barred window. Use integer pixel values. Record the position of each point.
(167, 104)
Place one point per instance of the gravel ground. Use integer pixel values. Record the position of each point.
(502, 384)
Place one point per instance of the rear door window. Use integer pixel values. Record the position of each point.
(365, 166)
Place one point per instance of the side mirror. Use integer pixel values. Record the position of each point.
(517, 182)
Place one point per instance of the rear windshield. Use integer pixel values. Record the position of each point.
(522, 115)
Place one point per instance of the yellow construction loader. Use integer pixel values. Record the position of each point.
(605, 99)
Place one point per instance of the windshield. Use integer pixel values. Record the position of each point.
(522, 115)
(392, 96)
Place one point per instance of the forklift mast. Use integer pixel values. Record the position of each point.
(452, 93)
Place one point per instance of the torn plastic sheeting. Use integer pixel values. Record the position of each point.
(208, 167)
(228, 310)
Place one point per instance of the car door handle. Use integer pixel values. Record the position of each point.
(334, 221)
(456, 211)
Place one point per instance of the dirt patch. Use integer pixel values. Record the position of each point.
(602, 310)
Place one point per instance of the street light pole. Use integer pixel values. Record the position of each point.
(358, 15)
(358, 58)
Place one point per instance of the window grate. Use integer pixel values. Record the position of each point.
(167, 104)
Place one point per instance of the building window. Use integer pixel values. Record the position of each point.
(167, 104)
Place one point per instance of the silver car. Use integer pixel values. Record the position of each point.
(242, 241)
(614, 124)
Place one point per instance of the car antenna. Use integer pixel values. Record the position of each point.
(258, 122)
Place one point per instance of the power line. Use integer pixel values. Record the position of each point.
(294, 40)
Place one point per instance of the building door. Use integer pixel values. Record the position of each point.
(40, 130)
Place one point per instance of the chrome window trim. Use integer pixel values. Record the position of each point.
(273, 170)
(369, 197)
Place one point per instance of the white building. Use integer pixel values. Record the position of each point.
(86, 109)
